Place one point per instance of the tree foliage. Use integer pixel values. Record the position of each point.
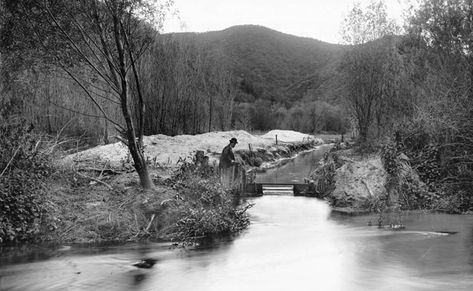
(440, 135)
(24, 165)
(106, 37)
(373, 70)
(364, 24)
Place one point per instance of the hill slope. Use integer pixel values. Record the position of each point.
(273, 65)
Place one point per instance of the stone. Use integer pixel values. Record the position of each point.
(356, 181)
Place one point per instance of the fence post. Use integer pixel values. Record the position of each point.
(276, 139)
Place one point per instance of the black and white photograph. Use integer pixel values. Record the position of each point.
(224, 145)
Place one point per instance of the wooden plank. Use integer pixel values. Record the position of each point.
(282, 184)
(284, 193)
(287, 188)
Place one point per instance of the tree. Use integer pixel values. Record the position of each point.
(106, 37)
(442, 34)
(371, 66)
(364, 24)
(446, 27)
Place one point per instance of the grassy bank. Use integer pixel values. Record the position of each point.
(186, 204)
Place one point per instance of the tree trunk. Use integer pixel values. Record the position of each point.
(134, 146)
(363, 126)
(105, 133)
(210, 112)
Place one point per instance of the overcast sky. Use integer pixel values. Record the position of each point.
(319, 19)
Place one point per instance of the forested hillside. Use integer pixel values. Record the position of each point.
(282, 80)
(272, 65)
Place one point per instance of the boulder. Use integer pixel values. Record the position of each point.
(359, 180)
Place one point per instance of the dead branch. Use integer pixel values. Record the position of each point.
(96, 180)
(11, 160)
(104, 170)
(150, 221)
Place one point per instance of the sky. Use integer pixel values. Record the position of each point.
(319, 19)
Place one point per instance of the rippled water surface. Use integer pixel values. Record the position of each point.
(293, 243)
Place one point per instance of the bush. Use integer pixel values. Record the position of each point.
(409, 176)
(438, 141)
(205, 209)
(23, 168)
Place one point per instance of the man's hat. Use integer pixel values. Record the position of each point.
(233, 140)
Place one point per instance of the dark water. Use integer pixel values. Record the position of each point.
(294, 170)
(293, 243)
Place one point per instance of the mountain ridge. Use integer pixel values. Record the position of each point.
(273, 65)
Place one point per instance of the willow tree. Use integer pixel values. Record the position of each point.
(103, 38)
(371, 66)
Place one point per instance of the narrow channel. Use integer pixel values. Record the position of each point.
(294, 170)
(293, 243)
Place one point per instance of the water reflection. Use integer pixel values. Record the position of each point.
(293, 243)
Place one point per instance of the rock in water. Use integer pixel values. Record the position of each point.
(145, 263)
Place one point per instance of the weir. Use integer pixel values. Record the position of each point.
(296, 189)
(287, 179)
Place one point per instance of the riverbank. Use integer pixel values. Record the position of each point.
(95, 196)
(382, 182)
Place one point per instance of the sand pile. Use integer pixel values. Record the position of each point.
(167, 150)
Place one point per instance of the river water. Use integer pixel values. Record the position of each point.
(293, 243)
(294, 170)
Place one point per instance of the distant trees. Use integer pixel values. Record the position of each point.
(307, 116)
(103, 39)
(188, 88)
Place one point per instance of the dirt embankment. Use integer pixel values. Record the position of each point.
(355, 184)
(348, 180)
(265, 157)
(167, 151)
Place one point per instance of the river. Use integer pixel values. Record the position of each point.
(294, 170)
(293, 243)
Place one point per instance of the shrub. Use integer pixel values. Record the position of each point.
(205, 208)
(406, 179)
(441, 156)
(23, 168)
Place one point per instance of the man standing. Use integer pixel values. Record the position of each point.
(227, 160)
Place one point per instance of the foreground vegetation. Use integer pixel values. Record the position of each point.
(25, 166)
(187, 206)
(44, 201)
